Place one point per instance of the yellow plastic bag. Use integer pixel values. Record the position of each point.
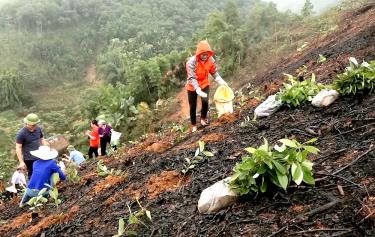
(224, 100)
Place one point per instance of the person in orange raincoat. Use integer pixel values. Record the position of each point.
(93, 136)
(198, 67)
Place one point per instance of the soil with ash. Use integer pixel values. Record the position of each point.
(340, 204)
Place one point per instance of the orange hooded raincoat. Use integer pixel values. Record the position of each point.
(197, 70)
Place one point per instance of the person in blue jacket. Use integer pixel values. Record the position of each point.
(43, 169)
(74, 156)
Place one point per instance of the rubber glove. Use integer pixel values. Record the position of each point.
(201, 93)
(220, 80)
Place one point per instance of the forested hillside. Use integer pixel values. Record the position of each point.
(304, 169)
(114, 59)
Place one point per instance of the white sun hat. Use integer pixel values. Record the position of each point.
(45, 153)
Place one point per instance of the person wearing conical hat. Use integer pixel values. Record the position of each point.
(198, 68)
(29, 138)
(44, 168)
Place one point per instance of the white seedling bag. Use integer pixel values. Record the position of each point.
(268, 107)
(216, 197)
(325, 98)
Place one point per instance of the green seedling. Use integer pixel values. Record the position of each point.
(303, 46)
(36, 203)
(54, 192)
(356, 78)
(104, 171)
(135, 218)
(297, 93)
(247, 122)
(199, 155)
(179, 128)
(72, 173)
(322, 59)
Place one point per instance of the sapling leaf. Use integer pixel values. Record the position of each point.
(311, 140)
(297, 176)
(148, 214)
(250, 150)
(311, 149)
(43, 199)
(280, 148)
(133, 219)
(31, 201)
(208, 154)
(131, 233)
(201, 146)
(121, 227)
(307, 176)
(53, 194)
(353, 61)
(288, 143)
(197, 152)
(263, 187)
(283, 180)
(307, 164)
(321, 59)
(279, 167)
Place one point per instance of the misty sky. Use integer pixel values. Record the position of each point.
(296, 5)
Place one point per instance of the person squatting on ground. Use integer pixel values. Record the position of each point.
(74, 156)
(43, 169)
(29, 138)
(105, 131)
(93, 136)
(198, 67)
(18, 183)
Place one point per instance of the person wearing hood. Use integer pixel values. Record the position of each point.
(198, 68)
(43, 169)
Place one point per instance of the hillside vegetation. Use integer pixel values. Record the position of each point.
(152, 187)
(114, 59)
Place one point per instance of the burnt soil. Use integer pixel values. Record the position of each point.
(346, 139)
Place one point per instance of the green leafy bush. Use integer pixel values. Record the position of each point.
(297, 92)
(11, 88)
(279, 165)
(356, 78)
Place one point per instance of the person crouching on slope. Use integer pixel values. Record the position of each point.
(43, 169)
(198, 67)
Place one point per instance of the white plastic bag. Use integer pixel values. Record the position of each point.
(325, 98)
(11, 189)
(115, 137)
(268, 107)
(216, 197)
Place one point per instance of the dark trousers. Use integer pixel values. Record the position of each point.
(29, 166)
(103, 145)
(192, 97)
(93, 150)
